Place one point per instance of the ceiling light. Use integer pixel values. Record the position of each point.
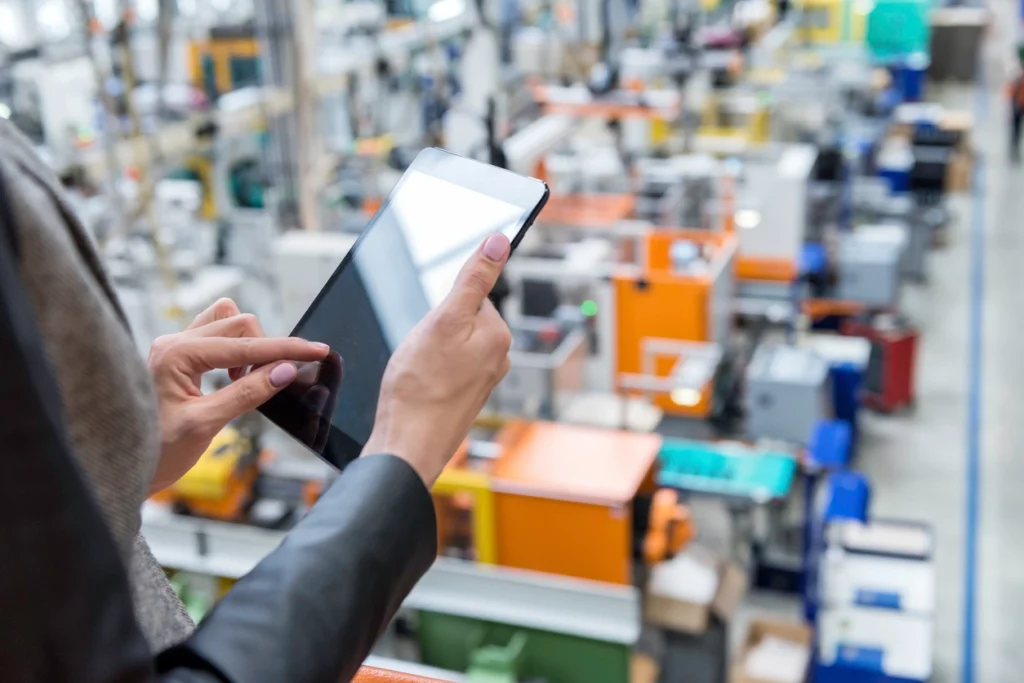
(687, 398)
(747, 219)
(443, 10)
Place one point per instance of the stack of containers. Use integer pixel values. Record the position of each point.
(876, 624)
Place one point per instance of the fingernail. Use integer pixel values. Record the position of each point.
(496, 247)
(319, 345)
(283, 375)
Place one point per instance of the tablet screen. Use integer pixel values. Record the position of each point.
(405, 264)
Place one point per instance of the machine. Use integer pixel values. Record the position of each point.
(788, 393)
(771, 216)
(680, 292)
(558, 499)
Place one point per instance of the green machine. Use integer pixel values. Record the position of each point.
(501, 653)
(897, 28)
(495, 663)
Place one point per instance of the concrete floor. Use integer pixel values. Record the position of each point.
(917, 462)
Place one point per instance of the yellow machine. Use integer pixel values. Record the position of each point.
(829, 22)
(226, 61)
(737, 118)
(220, 485)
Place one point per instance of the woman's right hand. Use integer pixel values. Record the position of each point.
(440, 376)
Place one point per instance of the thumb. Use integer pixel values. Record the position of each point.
(248, 393)
(477, 277)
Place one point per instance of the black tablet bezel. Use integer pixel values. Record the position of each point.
(529, 193)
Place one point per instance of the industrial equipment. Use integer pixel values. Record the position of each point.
(878, 594)
(733, 121)
(889, 381)
(831, 22)
(771, 216)
(548, 366)
(228, 60)
(548, 497)
(670, 528)
(869, 265)
(678, 191)
(787, 393)
(681, 292)
(221, 484)
(303, 262)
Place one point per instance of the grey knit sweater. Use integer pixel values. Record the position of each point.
(107, 396)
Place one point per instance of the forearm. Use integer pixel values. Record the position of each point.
(313, 609)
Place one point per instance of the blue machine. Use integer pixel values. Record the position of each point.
(876, 587)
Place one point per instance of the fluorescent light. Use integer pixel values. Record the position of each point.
(687, 398)
(863, 6)
(11, 28)
(148, 10)
(5, 111)
(52, 18)
(747, 219)
(443, 10)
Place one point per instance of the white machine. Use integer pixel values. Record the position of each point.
(878, 592)
(62, 95)
(303, 262)
(680, 191)
(773, 201)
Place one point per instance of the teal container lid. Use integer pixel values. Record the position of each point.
(725, 470)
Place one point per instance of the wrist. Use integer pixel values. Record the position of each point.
(413, 451)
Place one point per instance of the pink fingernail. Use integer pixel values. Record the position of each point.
(321, 346)
(283, 375)
(496, 247)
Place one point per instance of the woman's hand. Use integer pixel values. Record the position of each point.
(220, 337)
(440, 376)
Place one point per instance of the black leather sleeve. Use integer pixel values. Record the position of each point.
(312, 610)
(309, 612)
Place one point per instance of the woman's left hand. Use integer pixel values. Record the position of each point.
(220, 337)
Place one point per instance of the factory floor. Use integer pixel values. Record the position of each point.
(917, 461)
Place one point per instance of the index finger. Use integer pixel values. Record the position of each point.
(208, 353)
(478, 276)
(222, 308)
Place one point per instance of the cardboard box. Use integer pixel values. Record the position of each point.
(725, 584)
(643, 668)
(797, 638)
(959, 173)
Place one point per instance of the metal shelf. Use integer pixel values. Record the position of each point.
(587, 609)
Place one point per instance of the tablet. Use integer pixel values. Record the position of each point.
(404, 264)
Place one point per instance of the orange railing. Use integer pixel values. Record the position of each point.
(370, 675)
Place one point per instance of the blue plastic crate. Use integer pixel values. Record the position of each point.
(708, 468)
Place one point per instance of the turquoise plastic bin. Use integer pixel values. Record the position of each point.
(708, 468)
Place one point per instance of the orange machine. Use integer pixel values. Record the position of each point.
(586, 211)
(671, 527)
(563, 499)
(630, 104)
(658, 300)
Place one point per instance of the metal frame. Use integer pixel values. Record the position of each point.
(587, 609)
